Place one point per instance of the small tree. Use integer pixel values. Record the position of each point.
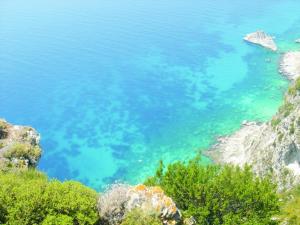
(218, 195)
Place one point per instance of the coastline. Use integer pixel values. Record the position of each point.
(272, 146)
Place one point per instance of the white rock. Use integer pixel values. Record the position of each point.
(290, 65)
(261, 38)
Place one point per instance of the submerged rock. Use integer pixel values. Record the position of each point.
(19, 146)
(120, 199)
(272, 147)
(297, 41)
(290, 65)
(261, 38)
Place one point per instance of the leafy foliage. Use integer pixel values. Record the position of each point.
(138, 217)
(3, 129)
(286, 109)
(58, 220)
(290, 211)
(215, 195)
(24, 152)
(28, 197)
(294, 88)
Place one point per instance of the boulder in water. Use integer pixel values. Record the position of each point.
(261, 38)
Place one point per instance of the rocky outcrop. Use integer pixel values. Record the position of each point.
(120, 199)
(261, 38)
(19, 146)
(272, 147)
(290, 65)
(297, 41)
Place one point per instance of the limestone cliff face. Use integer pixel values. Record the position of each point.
(19, 146)
(269, 147)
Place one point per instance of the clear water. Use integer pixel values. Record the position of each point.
(115, 86)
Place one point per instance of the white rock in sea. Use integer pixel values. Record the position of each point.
(297, 41)
(290, 65)
(261, 38)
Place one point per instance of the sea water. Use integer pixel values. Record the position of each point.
(115, 86)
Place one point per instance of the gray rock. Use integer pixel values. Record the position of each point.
(120, 199)
(261, 38)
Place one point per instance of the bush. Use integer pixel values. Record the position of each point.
(25, 152)
(286, 109)
(28, 197)
(3, 129)
(215, 195)
(112, 204)
(294, 88)
(138, 217)
(297, 84)
(58, 220)
(290, 211)
(275, 122)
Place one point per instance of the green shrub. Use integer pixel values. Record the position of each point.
(280, 136)
(214, 195)
(28, 197)
(58, 220)
(275, 122)
(3, 129)
(290, 211)
(138, 217)
(292, 129)
(286, 109)
(297, 84)
(24, 152)
(294, 88)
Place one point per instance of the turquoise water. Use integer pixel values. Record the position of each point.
(115, 86)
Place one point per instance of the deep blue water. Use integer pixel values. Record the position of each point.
(115, 86)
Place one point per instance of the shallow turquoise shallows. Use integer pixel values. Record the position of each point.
(113, 86)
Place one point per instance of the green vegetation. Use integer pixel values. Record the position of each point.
(275, 122)
(295, 88)
(280, 136)
(24, 152)
(28, 197)
(138, 217)
(292, 128)
(286, 109)
(3, 130)
(214, 195)
(290, 211)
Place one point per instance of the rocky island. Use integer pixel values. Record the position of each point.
(261, 38)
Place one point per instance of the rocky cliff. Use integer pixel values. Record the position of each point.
(19, 146)
(272, 147)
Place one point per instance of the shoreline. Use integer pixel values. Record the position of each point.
(272, 146)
